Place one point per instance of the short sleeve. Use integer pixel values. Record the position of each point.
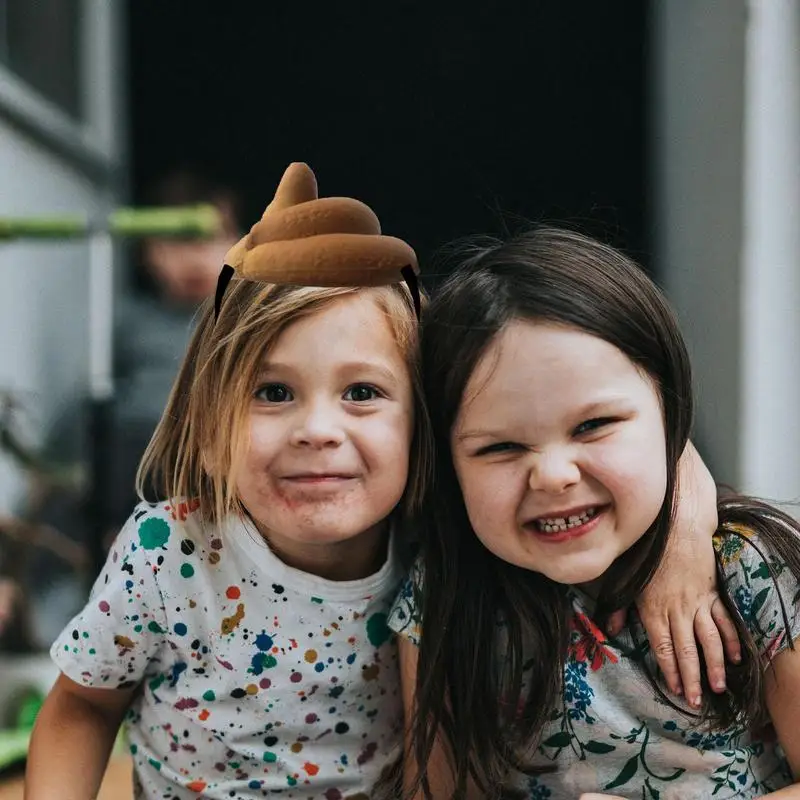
(405, 617)
(110, 643)
(762, 587)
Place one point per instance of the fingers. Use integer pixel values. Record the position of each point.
(688, 658)
(727, 630)
(664, 651)
(710, 640)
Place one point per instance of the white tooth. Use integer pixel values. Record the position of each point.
(574, 519)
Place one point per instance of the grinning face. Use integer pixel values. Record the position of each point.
(560, 451)
(331, 423)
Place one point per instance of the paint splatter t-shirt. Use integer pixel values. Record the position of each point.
(612, 733)
(255, 677)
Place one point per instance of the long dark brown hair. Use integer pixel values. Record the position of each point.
(470, 680)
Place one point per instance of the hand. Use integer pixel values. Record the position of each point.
(681, 602)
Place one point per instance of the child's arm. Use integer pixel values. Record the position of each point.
(439, 773)
(681, 604)
(72, 739)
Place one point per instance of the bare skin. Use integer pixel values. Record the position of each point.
(72, 740)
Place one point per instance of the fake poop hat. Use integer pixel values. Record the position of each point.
(305, 240)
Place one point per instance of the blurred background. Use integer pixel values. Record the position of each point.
(670, 128)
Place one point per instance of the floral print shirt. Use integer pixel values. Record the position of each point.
(613, 733)
(255, 679)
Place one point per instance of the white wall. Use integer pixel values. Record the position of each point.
(43, 328)
(726, 153)
(50, 163)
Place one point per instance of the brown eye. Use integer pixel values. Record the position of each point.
(499, 447)
(274, 393)
(361, 393)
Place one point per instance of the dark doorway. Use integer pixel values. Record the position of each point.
(447, 122)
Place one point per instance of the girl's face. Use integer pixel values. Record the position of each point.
(560, 452)
(331, 423)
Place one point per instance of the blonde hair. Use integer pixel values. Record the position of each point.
(202, 435)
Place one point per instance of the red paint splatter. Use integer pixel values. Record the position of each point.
(226, 664)
(185, 703)
(104, 606)
(233, 593)
(310, 769)
(333, 794)
(182, 510)
(196, 786)
(204, 715)
(295, 677)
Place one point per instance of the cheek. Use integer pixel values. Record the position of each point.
(634, 469)
(491, 496)
(266, 438)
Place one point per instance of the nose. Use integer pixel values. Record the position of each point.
(554, 471)
(318, 426)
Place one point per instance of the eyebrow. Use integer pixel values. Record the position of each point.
(611, 404)
(271, 367)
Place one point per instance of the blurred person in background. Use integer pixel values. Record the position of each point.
(154, 319)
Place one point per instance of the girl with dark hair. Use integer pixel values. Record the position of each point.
(560, 396)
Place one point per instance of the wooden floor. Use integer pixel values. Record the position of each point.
(117, 784)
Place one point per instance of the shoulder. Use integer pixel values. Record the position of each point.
(162, 532)
(762, 586)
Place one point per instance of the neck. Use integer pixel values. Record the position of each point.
(353, 559)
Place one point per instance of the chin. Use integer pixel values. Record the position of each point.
(575, 575)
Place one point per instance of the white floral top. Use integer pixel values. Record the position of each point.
(611, 731)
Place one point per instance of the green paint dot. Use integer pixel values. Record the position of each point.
(155, 764)
(291, 781)
(316, 600)
(137, 628)
(85, 634)
(134, 749)
(153, 533)
(156, 682)
(209, 696)
(377, 630)
(66, 648)
(154, 627)
(270, 757)
(270, 661)
(92, 651)
(187, 570)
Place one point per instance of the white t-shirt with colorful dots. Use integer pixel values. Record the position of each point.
(255, 677)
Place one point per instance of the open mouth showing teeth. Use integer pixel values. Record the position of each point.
(558, 524)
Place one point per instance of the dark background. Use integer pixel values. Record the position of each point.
(448, 121)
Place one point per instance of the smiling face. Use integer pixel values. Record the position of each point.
(560, 451)
(330, 428)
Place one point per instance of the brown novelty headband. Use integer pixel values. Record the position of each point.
(306, 240)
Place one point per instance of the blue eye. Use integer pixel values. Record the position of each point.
(274, 393)
(592, 425)
(361, 393)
